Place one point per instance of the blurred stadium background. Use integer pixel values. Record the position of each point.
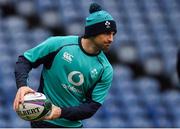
(145, 89)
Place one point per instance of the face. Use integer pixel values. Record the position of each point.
(103, 41)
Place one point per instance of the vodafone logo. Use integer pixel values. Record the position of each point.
(76, 78)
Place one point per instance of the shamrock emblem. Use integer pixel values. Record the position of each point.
(107, 23)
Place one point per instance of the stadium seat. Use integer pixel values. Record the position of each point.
(94, 123)
(15, 24)
(26, 8)
(140, 122)
(116, 122)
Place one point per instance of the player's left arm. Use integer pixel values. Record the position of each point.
(81, 112)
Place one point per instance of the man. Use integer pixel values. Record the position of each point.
(76, 75)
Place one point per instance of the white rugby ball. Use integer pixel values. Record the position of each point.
(35, 106)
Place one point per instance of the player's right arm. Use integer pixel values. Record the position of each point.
(22, 69)
(32, 59)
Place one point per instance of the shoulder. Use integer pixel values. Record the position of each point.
(64, 39)
(55, 42)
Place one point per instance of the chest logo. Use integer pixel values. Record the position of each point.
(94, 73)
(67, 57)
(76, 78)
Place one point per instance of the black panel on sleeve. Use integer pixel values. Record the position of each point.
(81, 112)
(22, 68)
(46, 60)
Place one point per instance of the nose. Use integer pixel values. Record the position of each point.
(111, 37)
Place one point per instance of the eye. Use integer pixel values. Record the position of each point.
(113, 33)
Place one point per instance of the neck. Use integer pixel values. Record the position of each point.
(89, 46)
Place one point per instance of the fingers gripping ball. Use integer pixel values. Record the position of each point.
(35, 107)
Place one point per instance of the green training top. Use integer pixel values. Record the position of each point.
(70, 73)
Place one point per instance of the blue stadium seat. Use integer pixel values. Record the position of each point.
(122, 72)
(4, 123)
(176, 123)
(116, 122)
(147, 84)
(140, 122)
(26, 8)
(17, 122)
(38, 35)
(172, 97)
(163, 122)
(94, 123)
(135, 110)
(15, 24)
(46, 5)
(75, 28)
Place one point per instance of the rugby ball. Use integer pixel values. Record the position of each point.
(35, 106)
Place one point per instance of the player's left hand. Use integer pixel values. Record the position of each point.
(55, 113)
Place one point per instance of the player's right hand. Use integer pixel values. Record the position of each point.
(22, 91)
(54, 114)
